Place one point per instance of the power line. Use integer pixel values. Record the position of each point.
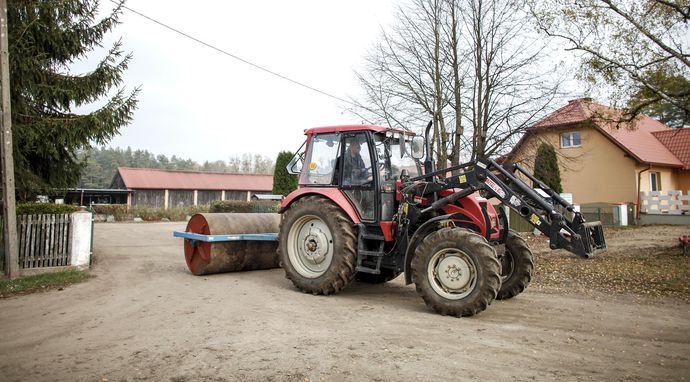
(235, 56)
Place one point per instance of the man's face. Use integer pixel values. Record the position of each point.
(354, 148)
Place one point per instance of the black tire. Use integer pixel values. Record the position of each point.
(517, 266)
(383, 277)
(340, 246)
(464, 247)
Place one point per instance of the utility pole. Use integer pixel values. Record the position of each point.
(9, 213)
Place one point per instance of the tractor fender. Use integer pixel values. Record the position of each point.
(429, 226)
(333, 194)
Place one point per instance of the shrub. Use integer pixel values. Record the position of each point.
(148, 213)
(546, 167)
(238, 206)
(119, 211)
(231, 206)
(191, 210)
(173, 214)
(283, 183)
(45, 208)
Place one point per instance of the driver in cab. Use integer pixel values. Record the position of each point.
(354, 169)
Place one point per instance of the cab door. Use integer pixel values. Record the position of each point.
(358, 174)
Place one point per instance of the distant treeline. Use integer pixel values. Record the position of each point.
(102, 163)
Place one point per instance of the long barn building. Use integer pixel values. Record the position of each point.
(169, 188)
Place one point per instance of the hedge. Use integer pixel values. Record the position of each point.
(45, 208)
(119, 211)
(173, 214)
(236, 206)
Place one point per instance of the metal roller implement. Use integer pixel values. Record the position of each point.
(231, 242)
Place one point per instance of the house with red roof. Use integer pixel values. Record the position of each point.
(171, 188)
(603, 160)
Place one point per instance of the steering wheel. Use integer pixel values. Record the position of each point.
(368, 174)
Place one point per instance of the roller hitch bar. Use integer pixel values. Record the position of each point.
(221, 238)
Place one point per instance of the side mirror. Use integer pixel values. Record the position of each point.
(417, 147)
(294, 167)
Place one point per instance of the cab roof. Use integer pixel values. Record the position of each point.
(349, 128)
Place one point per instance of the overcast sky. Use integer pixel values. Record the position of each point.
(198, 103)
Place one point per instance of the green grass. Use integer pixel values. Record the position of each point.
(46, 281)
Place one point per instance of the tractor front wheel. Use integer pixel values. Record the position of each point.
(317, 246)
(517, 265)
(456, 272)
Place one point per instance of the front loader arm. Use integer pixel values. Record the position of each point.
(577, 236)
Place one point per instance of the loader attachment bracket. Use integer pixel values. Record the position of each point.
(591, 239)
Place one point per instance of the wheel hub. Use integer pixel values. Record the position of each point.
(310, 246)
(453, 273)
(316, 245)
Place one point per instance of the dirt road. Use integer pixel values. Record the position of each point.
(145, 317)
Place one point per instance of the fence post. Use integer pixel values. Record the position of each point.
(80, 237)
(623, 214)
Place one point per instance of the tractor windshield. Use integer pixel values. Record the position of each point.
(388, 150)
(406, 162)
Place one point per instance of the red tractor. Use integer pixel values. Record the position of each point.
(367, 208)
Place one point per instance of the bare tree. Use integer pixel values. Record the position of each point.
(404, 78)
(624, 45)
(464, 63)
(513, 78)
(263, 164)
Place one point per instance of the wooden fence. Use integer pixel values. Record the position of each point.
(44, 241)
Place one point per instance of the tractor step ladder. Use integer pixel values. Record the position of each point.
(363, 251)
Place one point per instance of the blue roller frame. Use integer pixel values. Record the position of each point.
(221, 238)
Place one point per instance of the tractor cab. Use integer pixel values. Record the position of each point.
(364, 162)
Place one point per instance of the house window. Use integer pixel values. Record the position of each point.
(571, 139)
(654, 181)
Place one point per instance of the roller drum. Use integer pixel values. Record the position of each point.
(207, 258)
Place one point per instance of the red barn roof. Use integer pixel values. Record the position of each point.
(147, 178)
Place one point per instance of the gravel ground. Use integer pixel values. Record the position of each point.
(145, 317)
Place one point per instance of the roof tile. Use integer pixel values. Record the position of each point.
(638, 138)
(571, 113)
(678, 142)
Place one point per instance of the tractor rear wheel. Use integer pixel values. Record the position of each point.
(317, 246)
(517, 265)
(456, 272)
(383, 277)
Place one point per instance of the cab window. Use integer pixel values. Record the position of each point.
(322, 157)
(357, 161)
(406, 162)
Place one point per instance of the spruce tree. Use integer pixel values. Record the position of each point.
(283, 183)
(45, 38)
(546, 167)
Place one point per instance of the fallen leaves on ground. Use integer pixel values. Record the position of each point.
(645, 261)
